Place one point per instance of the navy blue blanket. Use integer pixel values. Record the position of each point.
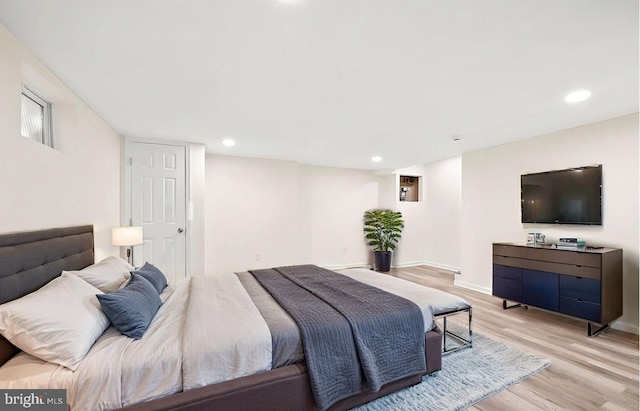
(353, 334)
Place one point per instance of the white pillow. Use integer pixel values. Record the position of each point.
(57, 323)
(107, 275)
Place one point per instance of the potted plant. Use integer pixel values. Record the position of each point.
(383, 229)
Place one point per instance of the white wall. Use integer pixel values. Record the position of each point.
(332, 204)
(290, 213)
(252, 214)
(286, 213)
(491, 199)
(76, 183)
(411, 247)
(196, 197)
(432, 225)
(443, 199)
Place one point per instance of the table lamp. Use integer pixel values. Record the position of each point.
(127, 237)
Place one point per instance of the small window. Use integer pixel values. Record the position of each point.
(36, 120)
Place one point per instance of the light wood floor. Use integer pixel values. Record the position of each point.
(585, 373)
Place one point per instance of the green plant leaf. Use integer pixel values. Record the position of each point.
(383, 228)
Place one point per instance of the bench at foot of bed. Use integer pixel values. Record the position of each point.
(454, 341)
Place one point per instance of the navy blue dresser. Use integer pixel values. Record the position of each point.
(585, 284)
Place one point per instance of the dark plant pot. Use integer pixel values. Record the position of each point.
(382, 261)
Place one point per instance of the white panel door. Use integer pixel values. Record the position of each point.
(158, 204)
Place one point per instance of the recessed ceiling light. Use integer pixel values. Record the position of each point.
(228, 142)
(576, 96)
(376, 159)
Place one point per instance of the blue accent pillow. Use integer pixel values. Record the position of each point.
(153, 275)
(131, 308)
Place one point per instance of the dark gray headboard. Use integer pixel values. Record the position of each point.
(29, 260)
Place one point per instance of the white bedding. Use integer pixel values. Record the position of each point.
(207, 331)
(232, 325)
(430, 300)
(118, 370)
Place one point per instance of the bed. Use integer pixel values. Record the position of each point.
(30, 260)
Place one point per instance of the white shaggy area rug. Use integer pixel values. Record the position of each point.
(467, 377)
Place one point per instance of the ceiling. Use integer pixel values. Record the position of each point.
(335, 82)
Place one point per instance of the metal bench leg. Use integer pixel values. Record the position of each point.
(462, 342)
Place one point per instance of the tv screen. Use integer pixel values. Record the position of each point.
(572, 196)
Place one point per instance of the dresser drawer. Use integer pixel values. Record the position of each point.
(540, 289)
(579, 288)
(580, 258)
(559, 268)
(504, 271)
(581, 309)
(507, 288)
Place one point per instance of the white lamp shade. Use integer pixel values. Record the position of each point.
(126, 236)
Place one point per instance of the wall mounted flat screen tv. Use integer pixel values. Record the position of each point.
(571, 196)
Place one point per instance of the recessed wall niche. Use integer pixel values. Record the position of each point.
(409, 186)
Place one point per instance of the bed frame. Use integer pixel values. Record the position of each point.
(29, 260)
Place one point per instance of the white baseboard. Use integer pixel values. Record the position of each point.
(626, 327)
(429, 263)
(400, 265)
(442, 266)
(470, 286)
(345, 266)
(409, 264)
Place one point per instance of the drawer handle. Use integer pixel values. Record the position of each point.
(579, 266)
(579, 300)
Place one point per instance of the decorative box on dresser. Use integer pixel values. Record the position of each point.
(585, 284)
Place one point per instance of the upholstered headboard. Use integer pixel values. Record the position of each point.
(29, 260)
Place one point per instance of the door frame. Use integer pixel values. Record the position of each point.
(127, 206)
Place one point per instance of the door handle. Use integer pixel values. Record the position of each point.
(180, 230)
